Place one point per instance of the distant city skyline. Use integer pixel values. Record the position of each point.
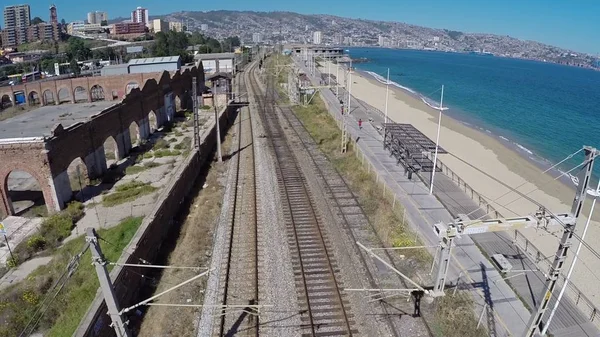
(567, 25)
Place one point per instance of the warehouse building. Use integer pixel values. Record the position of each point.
(145, 65)
(218, 62)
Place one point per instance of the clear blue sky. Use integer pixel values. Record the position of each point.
(569, 24)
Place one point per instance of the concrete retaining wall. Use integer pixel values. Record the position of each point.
(149, 237)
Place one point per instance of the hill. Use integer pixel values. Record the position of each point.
(289, 27)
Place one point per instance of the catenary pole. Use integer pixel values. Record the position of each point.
(564, 287)
(437, 141)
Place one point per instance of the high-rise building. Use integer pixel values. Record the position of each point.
(140, 15)
(256, 38)
(348, 40)
(337, 39)
(317, 36)
(176, 26)
(53, 15)
(159, 25)
(381, 40)
(97, 17)
(16, 20)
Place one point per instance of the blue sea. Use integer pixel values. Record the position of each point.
(545, 111)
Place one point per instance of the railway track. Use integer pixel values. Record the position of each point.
(351, 213)
(240, 293)
(325, 308)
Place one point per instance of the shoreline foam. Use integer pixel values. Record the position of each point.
(533, 157)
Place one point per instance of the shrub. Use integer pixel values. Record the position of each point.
(160, 144)
(151, 164)
(127, 192)
(12, 262)
(75, 210)
(134, 169)
(166, 153)
(36, 243)
(56, 227)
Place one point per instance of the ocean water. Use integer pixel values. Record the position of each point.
(545, 111)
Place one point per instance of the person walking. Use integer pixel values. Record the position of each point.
(360, 123)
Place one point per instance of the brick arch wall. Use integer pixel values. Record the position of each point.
(37, 165)
(84, 139)
(116, 83)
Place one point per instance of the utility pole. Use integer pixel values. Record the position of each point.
(217, 125)
(195, 113)
(118, 322)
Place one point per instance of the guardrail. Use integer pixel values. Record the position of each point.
(583, 303)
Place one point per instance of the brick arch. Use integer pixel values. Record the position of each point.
(153, 121)
(129, 85)
(6, 99)
(46, 98)
(38, 176)
(80, 94)
(34, 98)
(62, 89)
(97, 93)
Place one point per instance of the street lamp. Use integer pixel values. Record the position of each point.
(437, 141)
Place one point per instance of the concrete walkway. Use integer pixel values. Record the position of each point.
(505, 312)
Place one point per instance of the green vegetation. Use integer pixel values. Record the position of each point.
(166, 153)
(135, 169)
(19, 301)
(127, 192)
(185, 144)
(160, 144)
(151, 164)
(53, 231)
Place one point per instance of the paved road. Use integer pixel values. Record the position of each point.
(506, 314)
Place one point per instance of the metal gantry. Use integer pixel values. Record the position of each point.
(542, 218)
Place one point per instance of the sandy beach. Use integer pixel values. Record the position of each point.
(489, 166)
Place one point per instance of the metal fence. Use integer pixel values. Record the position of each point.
(584, 304)
(469, 191)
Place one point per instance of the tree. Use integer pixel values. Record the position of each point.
(74, 67)
(76, 49)
(63, 22)
(36, 20)
(103, 23)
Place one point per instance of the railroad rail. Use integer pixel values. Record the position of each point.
(325, 308)
(240, 296)
(351, 213)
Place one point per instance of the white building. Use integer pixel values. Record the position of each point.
(256, 38)
(381, 40)
(97, 17)
(317, 36)
(348, 40)
(140, 15)
(159, 25)
(82, 28)
(204, 27)
(176, 26)
(338, 39)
